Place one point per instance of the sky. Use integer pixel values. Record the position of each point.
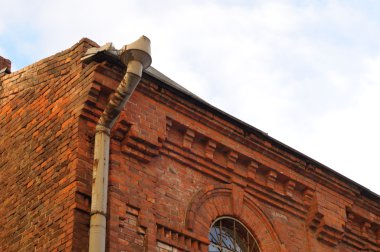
(305, 72)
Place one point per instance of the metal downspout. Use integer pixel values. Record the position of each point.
(136, 57)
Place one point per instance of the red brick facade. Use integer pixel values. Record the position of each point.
(176, 165)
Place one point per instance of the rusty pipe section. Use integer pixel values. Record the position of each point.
(136, 57)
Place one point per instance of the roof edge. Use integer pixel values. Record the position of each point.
(168, 83)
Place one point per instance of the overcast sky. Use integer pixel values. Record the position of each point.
(305, 72)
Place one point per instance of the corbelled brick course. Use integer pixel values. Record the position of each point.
(176, 165)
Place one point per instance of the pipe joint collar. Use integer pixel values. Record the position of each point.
(102, 129)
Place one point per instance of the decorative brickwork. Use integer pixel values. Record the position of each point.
(230, 200)
(180, 240)
(176, 165)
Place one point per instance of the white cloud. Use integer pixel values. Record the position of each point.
(306, 72)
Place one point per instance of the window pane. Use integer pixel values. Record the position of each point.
(229, 235)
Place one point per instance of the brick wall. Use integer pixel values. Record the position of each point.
(183, 167)
(180, 167)
(175, 166)
(39, 110)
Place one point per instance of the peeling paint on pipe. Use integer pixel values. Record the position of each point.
(136, 57)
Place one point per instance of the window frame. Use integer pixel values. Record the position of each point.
(250, 236)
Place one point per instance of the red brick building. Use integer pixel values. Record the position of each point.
(182, 173)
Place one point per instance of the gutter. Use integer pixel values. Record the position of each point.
(136, 57)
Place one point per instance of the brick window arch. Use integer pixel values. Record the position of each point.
(228, 234)
(213, 202)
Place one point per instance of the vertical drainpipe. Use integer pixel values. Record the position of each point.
(136, 57)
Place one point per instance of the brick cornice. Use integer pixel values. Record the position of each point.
(249, 140)
(230, 166)
(362, 229)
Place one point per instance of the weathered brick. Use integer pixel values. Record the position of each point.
(176, 165)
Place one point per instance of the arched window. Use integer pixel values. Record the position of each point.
(230, 235)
